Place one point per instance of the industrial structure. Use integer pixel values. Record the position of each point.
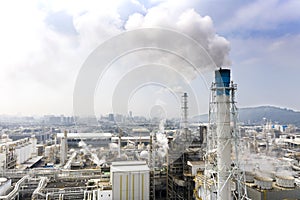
(184, 158)
(15, 154)
(199, 161)
(130, 180)
(64, 148)
(223, 178)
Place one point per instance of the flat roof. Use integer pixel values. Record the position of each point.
(196, 163)
(29, 163)
(126, 166)
(85, 135)
(132, 138)
(140, 130)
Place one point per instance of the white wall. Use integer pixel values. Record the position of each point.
(131, 185)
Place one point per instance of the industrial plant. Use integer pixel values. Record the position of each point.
(220, 159)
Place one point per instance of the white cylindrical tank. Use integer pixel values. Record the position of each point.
(5, 185)
(249, 176)
(264, 183)
(285, 181)
(144, 155)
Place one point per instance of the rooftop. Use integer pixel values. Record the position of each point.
(85, 135)
(126, 166)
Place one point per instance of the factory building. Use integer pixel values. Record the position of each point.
(130, 180)
(194, 162)
(42, 137)
(15, 153)
(124, 139)
(140, 132)
(94, 139)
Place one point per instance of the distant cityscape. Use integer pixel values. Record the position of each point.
(135, 157)
(150, 100)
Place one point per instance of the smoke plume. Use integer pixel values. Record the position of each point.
(188, 22)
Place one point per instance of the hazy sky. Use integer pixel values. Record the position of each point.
(43, 45)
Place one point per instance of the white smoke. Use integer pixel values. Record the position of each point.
(162, 140)
(189, 22)
(267, 166)
(179, 72)
(63, 33)
(162, 126)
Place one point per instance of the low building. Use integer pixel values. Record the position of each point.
(94, 139)
(15, 153)
(130, 180)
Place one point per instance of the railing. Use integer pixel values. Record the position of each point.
(14, 173)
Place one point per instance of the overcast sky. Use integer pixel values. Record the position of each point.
(44, 44)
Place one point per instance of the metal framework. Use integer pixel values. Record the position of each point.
(222, 163)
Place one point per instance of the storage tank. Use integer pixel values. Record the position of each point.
(262, 182)
(5, 185)
(144, 155)
(249, 176)
(285, 181)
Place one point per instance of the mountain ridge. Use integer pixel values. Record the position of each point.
(261, 114)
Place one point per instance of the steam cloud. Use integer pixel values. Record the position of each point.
(162, 140)
(189, 22)
(62, 35)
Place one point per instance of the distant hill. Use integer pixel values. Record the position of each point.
(256, 115)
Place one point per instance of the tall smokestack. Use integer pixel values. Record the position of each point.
(64, 148)
(119, 142)
(222, 81)
(184, 108)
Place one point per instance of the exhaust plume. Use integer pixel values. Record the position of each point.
(189, 22)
